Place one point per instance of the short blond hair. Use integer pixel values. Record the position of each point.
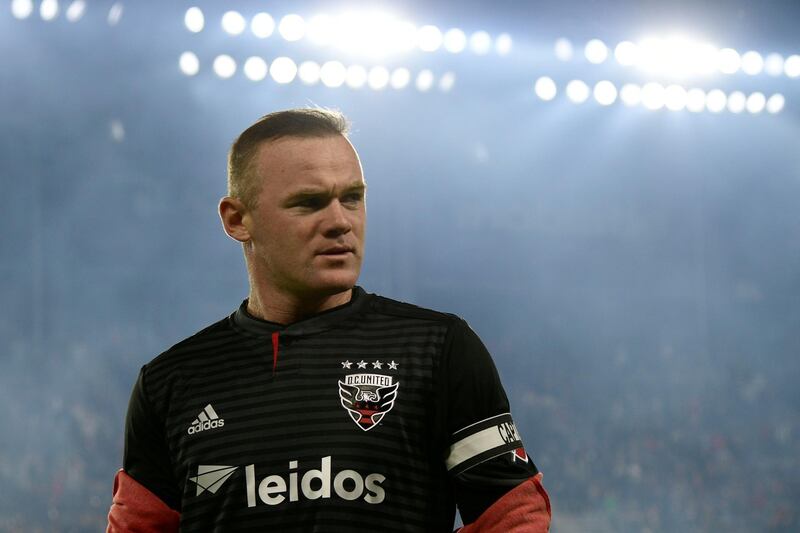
(304, 122)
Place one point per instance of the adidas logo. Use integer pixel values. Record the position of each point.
(207, 419)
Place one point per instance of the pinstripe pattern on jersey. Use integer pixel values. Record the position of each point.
(295, 415)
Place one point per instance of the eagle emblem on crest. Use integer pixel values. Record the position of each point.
(367, 397)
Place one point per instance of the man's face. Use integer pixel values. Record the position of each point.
(307, 231)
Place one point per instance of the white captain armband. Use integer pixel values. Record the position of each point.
(482, 441)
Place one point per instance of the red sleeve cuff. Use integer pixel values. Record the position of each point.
(137, 510)
(524, 509)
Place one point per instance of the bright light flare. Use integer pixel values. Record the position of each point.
(283, 70)
(729, 61)
(792, 66)
(233, 23)
(262, 25)
(775, 103)
(424, 80)
(630, 94)
(400, 79)
(376, 34)
(653, 97)
(292, 27)
(752, 63)
(48, 9)
(676, 56)
(773, 65)
(447, 82)
(224, 66)
(503, 44)
(577, 91)
(626, 53)
(378, 78)
(255, 68)
(356, 76)
(189, 64)
(736, 102)
(545, 88)
(596, 51)
(756, 102)
(309, 72)
(76, 10)
(716, 100)
(695, 100)
(194, 20)
(675, 98)
(21, 9)
(321, 30)
(605, 93)
(429, 38)
(563, 49)
(480, 42)
(455, 41)
(333, 74)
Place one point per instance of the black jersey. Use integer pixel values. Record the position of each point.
(361, 418)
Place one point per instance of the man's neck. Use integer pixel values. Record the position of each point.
(288, 308)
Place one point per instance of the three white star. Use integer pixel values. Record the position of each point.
(362, 364)
(392, 366)
(377, 364)
(347, 364)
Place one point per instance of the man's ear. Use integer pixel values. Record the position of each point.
(232, 213)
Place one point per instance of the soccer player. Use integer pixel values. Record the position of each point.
(317, 406)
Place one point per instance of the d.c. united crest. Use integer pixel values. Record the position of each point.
(367, 397)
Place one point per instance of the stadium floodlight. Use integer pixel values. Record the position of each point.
(429, 38)
(674, 56)
(792, 66)
(356, 76)
(653, 96)
(447, 81)
(728, 61)
(716, 100)
(695, 100)
(424, 80)
(255, 68)
(283, 70)
(374, 33)
(76, 10)
(626, 53)
(292, 27)
(703, 59)
(189, 64)
(563, 49)
(455, 40)
(752, 63)
(321, 29)
(596, 51)
(775, 103)
(675, 97)
(545, 88)
(756, 102)
(21, 9)
(333, 74)
(736, 102)
(194, 20)
(378, 78)
(400, 79)
(262, 25)
(224, 66)
(233, 23)
(115, 14)
(773, 64)
(48, 9)
(309, 72)
(503, 44)
(605, 93)
(577, 91)
(630, 94)
(480, 42)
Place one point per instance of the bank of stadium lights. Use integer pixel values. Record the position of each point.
(654, 96)
(372, 33)
(332, 74)
(49, 9)
(678, 56)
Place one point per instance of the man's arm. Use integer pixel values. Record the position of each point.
(146, 497)
(497, 485)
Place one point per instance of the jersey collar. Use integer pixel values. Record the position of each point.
(328, 319)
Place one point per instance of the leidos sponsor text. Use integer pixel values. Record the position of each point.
(313, 484)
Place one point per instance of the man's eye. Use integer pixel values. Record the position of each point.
(311, 203)
(353, 197)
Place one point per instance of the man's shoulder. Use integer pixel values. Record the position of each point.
(197, 344)
(390, 307)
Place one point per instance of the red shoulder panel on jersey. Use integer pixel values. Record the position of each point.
(524, 509)
(135, 509)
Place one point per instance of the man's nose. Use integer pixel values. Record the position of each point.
(337, 222)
